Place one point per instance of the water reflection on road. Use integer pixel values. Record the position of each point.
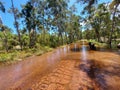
(84, 52)
(100, 67)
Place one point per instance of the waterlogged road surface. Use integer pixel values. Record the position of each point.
(73, 67)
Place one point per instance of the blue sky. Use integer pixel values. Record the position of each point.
(8, 19)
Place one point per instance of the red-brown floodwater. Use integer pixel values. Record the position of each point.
(72, 67)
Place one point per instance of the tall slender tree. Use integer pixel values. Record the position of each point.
(14, 11)
(58, 11)
(29, 15)
(113, 6)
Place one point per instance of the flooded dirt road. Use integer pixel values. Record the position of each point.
(73, 67)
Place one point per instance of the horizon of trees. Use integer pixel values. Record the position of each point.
(53, 23)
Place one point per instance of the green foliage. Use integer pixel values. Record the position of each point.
(98, 44)
(53, 41)
(8, 57)
(4, 58)
(13, 56)
(51, 23)
(40, 52)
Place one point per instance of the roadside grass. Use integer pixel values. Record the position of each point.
(11, 57)
(105, 45)
(98, 44)
(43, 50)
(16, 55)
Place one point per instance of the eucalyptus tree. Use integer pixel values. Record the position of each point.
(29, 15)
(16, 24)
(58, 10)
(102, 11)
(99, 19)
(114, 9)
(94, 20)
(105, 18)
(43, 15)
(73, 28)
(77, 27)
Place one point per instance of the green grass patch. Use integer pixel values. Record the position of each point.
(105, 45)
(98, 44)
(39, 52)
(15, 56)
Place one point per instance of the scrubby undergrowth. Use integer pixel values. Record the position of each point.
(17, 55)
(104, 45)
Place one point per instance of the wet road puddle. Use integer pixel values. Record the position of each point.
(73, 67)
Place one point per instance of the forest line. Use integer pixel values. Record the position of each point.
(49, 23)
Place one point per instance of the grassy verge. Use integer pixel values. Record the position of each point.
(15, 56)
(104, 45)
(98, 44)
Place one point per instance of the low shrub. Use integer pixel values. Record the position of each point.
(15, 55)
(40, 52)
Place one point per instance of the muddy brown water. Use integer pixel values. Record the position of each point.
(86, 70)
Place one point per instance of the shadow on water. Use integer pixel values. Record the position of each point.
(98, 72)
(94, 72)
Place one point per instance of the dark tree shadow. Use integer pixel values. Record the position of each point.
(93, 72)
(97, 73)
